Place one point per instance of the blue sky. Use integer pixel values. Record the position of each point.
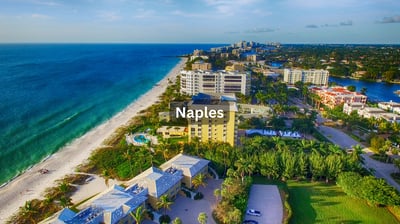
(201, 21)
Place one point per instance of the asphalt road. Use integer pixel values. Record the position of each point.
(382, 170)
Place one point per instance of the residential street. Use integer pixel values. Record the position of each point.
(382, 170)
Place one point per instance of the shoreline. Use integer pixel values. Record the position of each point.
(30, 184)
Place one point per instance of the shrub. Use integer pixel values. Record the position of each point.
(164, 219)
(150, 215)
(198, 196)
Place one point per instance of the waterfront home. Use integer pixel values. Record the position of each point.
(390, 106)
(190, 166)
(378, 113)
(354, 106)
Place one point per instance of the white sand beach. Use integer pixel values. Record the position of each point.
(31, 184)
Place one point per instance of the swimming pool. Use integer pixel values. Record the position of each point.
(140, 139)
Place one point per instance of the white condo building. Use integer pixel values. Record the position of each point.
(313, 76)
(194, 82)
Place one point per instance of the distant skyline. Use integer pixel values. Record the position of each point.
(202, 21)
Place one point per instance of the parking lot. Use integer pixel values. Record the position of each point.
(267, 200)
(188, 210)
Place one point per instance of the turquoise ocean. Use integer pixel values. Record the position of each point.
(51, 94)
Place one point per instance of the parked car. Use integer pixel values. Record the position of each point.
(253, 212)
(250, 222)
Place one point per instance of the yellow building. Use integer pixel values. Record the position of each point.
(201, 65)
(235, 67)
(172, 131)
(214, 128)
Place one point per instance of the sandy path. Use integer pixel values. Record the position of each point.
(31, 184)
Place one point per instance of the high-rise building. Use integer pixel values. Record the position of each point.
(208, 128)
(193, 82)
(313, 76)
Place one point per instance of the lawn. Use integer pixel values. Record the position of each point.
(321, 203)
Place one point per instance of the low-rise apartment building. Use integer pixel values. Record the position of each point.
(190, 166)
(111, 206)
(158, 183)
(115, 204)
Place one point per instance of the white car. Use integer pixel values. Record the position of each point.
(253, 212)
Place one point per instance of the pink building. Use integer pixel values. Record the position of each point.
(337, 95)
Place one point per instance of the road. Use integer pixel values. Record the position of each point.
(382, 170)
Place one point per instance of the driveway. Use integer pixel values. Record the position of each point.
(382, 170)
(267, 200)
(188, 210)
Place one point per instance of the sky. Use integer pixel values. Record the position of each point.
(200, 21)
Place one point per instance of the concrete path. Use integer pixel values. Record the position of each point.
(382, 170)
(267, 200)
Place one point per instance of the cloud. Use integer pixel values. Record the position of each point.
(347, 23)
(189, 15)
(109, 16)
(229, 7)
(46, 3)
(260, 30)
(40, 16)
(144, 13)
(312, 26)
(392, 19)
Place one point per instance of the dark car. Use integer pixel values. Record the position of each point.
(253, 212)
(249, 222)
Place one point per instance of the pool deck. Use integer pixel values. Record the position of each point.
(130, 139)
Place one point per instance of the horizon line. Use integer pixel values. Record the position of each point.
(121, 42)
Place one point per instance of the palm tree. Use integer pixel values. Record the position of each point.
(202, 218)
(28, 211)
(244, 166)
(63, 187)
(217, 194)
(128, 156)
(65, 201)
(138, 216)
(177, 220)
(106, 177)
(199, 180)
(164, 202)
